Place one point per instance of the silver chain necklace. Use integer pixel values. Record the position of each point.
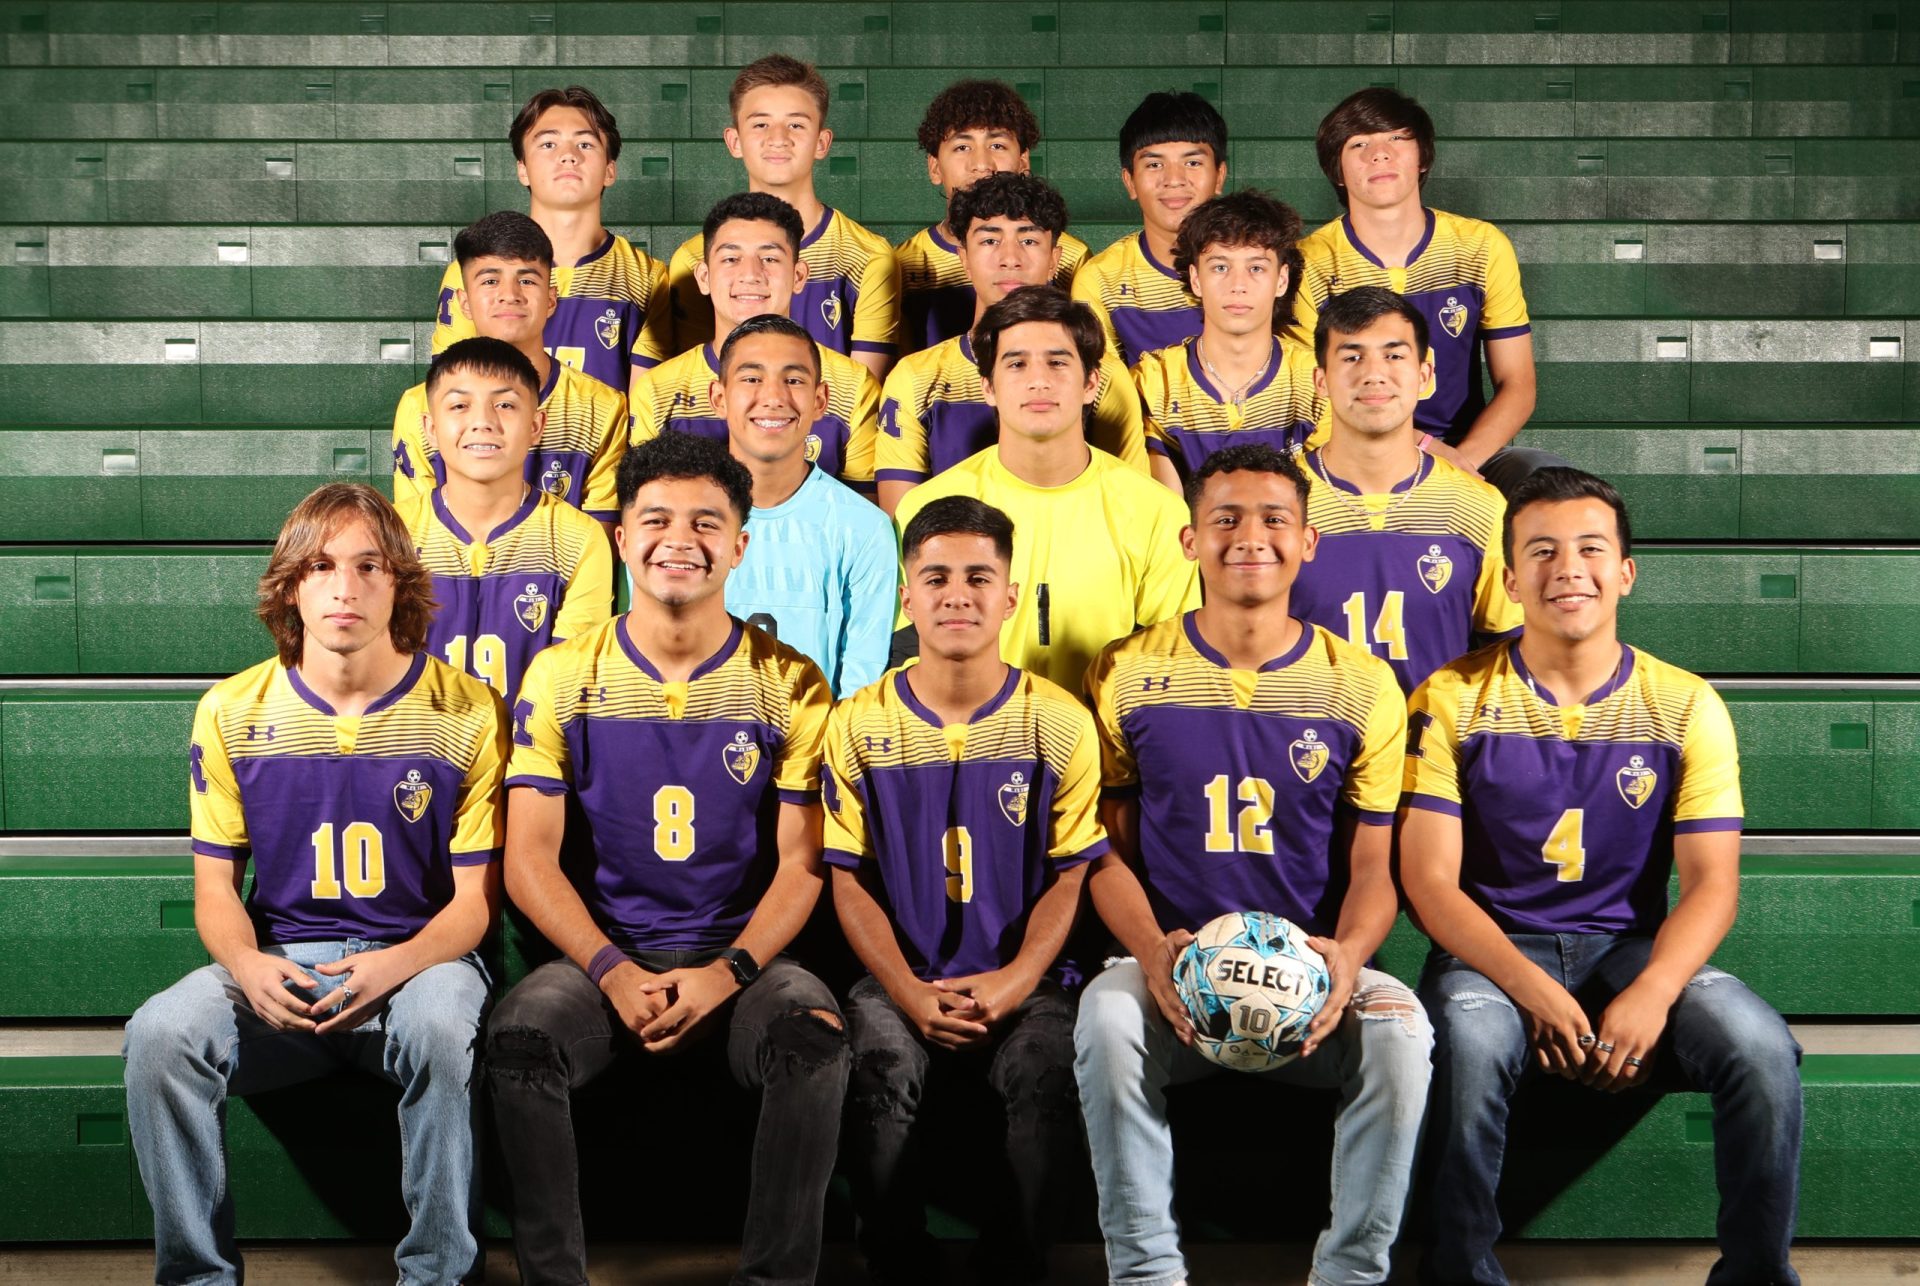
(1239, 393)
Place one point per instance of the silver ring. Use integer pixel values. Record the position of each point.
(1633, 1062)
(346, 997)
(1605, 1048)
(1588, 1039)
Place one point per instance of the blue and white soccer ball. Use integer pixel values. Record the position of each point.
(1251, 984)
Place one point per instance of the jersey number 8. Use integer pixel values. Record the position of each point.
(673, 823)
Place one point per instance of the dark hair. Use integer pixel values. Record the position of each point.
(1554, 484)
(977, 104)
(1245, 218)
(774, 70)
(1352, 311)
(677, 454)
(958, 515)
(504, 234)
(483, 356)
(1172, 116)
(1372, 111)
(572, 96)
(1026, 197)
(1038, 304)
(1254, 457)
(313, 522)
(767, 324)
(759, 207)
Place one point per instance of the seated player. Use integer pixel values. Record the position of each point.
(1376, 149)
(850, 300)
(514, 568)
(1553, 782)
(1173, 156)
(753, 267)
(1237, 381)
(1407, 562)
(1248, 760)
(933, 413)
(1099, 551)
(613, 317)
(998, 770)
(361, 777)
(691, 745)
(821, 571)
(972, 128)
(506, 265)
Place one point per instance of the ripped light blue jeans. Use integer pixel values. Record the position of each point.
(1720, 1036)
(1125, 1058)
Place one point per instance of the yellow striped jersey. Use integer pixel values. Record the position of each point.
(1240, 773)
(1462, 276)
(1142, 303)
(936, 296)
(1187, 419)
(354, 823)
(1568, 813)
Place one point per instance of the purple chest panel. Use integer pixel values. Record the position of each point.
(1415, 609)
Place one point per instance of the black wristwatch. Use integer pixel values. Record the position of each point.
(745, 967)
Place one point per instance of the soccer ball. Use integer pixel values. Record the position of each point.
(1251, 984)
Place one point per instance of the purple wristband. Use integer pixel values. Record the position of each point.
(604, 961)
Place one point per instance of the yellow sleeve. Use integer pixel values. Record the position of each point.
(597, 497)
(796, 769)
(589, 600)
(1372, 787)
(480, 820)
(1147, 385)
(863, 433)
(1709, 794)
(1430, 778)
(1170, 581)
(450, 324)
(654, 344)
(1117, 416)
(689, 313)
(1494, 611)
(412, 472)
(219, 823)
(540, 758)
(1506, 309)
(1088, 285)
(876, 319)
(1077, 834)
(643, 424)
(900, 452)
(845, 835)
(1118, 771)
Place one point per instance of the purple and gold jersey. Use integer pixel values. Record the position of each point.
(675, 395)
(933, 414)
(850, 304)
(1187, 419)
(613, 313)
(1462, 276)
(936, 295)
(575, 460)
(543, 576)
(353, 823)
(1142, 303)
(681, 783)
(1239, 773)
(965, 820)
(1568, 813)
(1413, 575)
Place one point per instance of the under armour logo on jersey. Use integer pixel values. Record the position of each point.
(1156, 683)
(1490, 711)
(1124, 289)
(258, 733)
(593, 696)
(883, 744)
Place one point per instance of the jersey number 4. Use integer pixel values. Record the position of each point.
(362, 854)
(1566, 846)
(1389, 628)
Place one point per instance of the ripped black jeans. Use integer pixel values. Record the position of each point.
(556, 1031)
(1029, 1064)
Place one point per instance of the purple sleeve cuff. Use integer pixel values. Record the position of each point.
(1367, 817)
(798, 796)
(872, 346)
(1432, 803)
(900, 475)
(545, 785)
(1506, 332)
(479, 857)
(1068, 861)
(224, 852)
(1124, 790)
(1698, 824)
(842, 858)
(1156, 446)
(645, 363)
(604, 962)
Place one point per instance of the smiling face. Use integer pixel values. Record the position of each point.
(483, 425)
(1381, 170)
(957, 594)
(346, 597)
(1170, 179)
(508, 299)
(1002, 253)
(750, 269)
(1372, 378)
(1039, 385)
(770, 395)
(566, 165)
(778, 136)
(1568, 572)
(969, 155)
(1237, 286)
(1250, 536)
(679, 539)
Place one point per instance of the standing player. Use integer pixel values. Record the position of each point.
(933, 414)
(1553, 782)
(1237, 381)
(362, 779)
(692, 746)
(822, 571)
(1173, 156)
(1376, 149)
(1099, 551)
(753, 267)
(850, 300)
(1249, 763)
(514, 568)
(972, 128)
(997, 772)
(506, 270)
(613, 317)
(1408, 561)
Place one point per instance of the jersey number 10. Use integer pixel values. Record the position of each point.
(363, 855)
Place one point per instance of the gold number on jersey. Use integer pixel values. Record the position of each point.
(673, 823)
(489, 659)
(568, 355)
(1566, 847)
(1389, 627)
(363, 855)
(958, 847)
(1256, 797)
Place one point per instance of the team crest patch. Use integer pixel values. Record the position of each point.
(530, 609)
(555, 480)
(412, 796)
(606, 328)
(1308, 756)
(1013, 799)
(813, 448)
(1436, 569)
(1453, 317)
(830, 311)
(1636, 782)
(741, 757)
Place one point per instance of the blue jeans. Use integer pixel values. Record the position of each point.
(198, 1041)
(1127, 1056)
(1720, 1038)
